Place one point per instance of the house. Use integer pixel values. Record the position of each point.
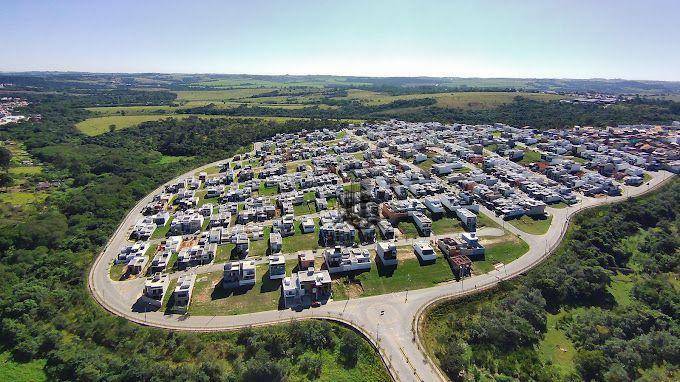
(307, 225)
(321, 204)
(306, 288)
(339, 259)
(285, 226)
(155, 288)
(239, 273)
(314, 286)
(332, 234)
(467, 245)
(467, 218)
(424, 251)
(461, 266)
(386, 229)
(277, 267)
(182, 292)
(242, 243)
(160, 261)
(423, 223)
(196, 255)
(275, 242)
(215, 235)
(305, 260)
(136, 265)
(387, 252)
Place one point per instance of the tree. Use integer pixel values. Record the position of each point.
(591, 364)
(5, 157)
(112, 128)
(349, 347)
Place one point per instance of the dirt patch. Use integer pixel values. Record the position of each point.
(204, 295)
(406, 252)
(500, 239)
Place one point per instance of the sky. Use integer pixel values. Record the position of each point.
(511, 38)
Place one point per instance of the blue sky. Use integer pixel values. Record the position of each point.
(511, 38)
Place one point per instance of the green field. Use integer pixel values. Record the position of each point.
(557, 347)
(532, 225)
(530, 156)
(503, 250)
(19, 198)
(100, 125)
(408, 275)
(458, 100)
(11, 370)
(209, 298)
(446, 225)
(300, 241)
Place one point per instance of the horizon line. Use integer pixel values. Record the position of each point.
(329, 75)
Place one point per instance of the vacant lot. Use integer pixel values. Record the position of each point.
(536, 225)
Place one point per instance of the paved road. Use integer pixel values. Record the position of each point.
(390, 321)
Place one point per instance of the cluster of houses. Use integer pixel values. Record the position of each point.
(406, 172)
(7, 108)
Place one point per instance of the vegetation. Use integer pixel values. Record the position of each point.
(47, 315)
(576, 316)
(535, 225)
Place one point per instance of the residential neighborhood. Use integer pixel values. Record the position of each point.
(306, 218)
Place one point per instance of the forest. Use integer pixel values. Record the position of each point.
(521, 112)
(613, 284)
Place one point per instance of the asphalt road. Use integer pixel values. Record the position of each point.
(390, 321)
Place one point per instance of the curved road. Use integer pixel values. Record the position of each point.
(389, 321)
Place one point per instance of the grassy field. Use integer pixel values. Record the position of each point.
(408, 275)
(300, 241)
(100, 124)
(209, 298)
(162, 231)
(224, 252)
(530, 156)
(20, 198)
(11, 370)
(502, 250)
(408, 229)
(446, 225)
(532, 225)
(556, 347)
(460, 100)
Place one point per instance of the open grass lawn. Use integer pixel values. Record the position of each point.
(169, 159)
(557, 347)
(267, 191)
(215, 201)
(426, 165)
(11, 370)
(260, 247)
(530, 156)
(300, 241)
(210, 298)
(409, 230)
(304, 209)
(162, 231)
(446, 225)
(646, 177)
(485, 221)
(559, 205)
(409, 274)
(533, 225)
(117, 271)
(20, 198)
(505, 250)
(100, 125)
(621, 287)
(224, 252)
(25, 170)
(168, 295)
(458, 100)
